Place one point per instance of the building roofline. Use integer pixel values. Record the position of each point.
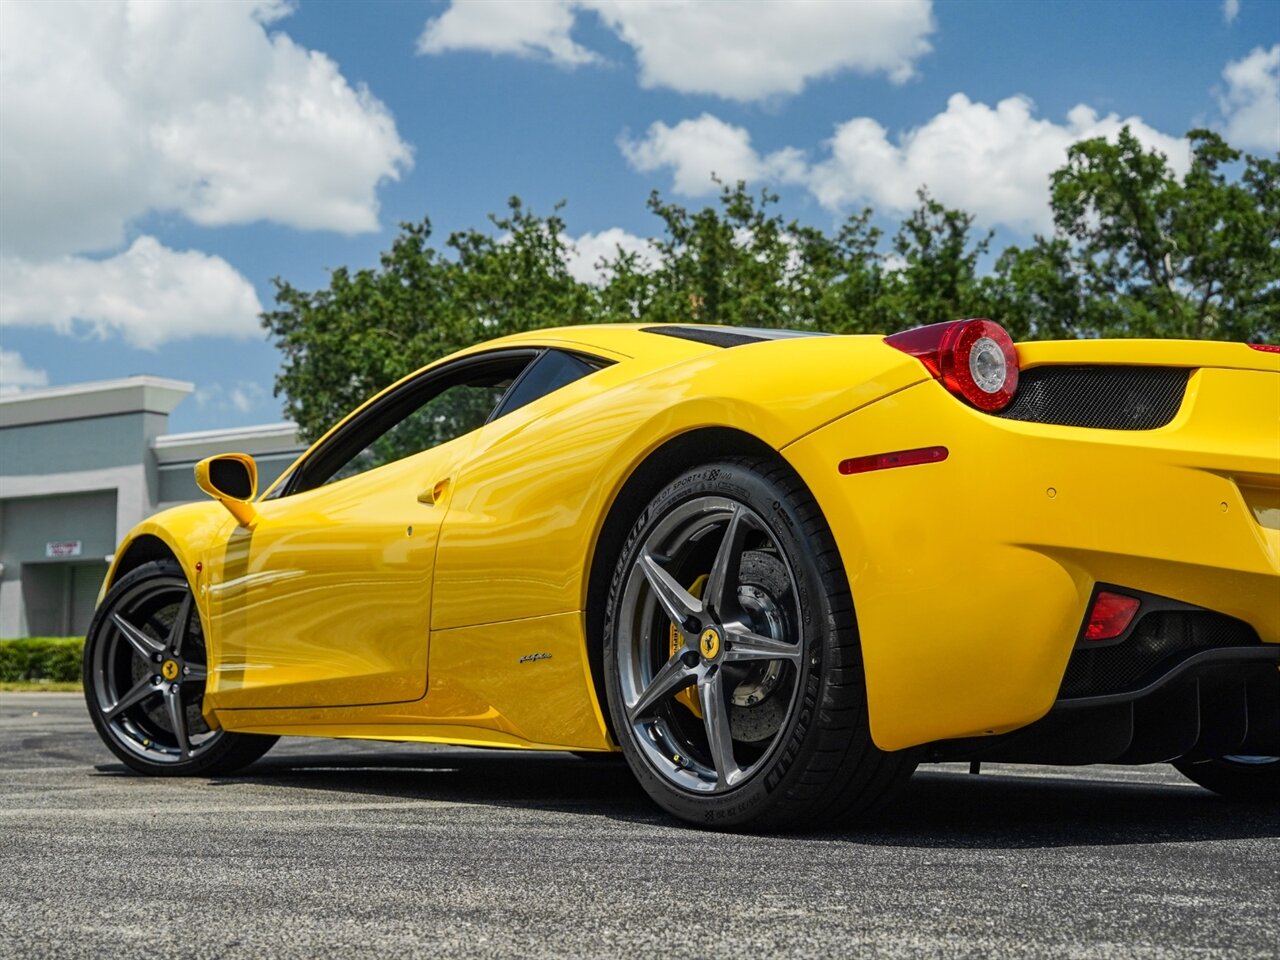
(274, 430)
(259, 440)
(100, 398)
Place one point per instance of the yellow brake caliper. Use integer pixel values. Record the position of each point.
(689, 695)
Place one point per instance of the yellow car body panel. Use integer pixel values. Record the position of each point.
(525, 684)
(359, 610)
(526, 511)
(971, 576)
(523, 515)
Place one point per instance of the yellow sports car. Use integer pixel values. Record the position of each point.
(776, 570)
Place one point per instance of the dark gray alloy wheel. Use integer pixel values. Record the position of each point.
(1237, 777)
(144, 679)
(733, 667)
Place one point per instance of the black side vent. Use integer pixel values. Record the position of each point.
(1159, 642)
(1108, 398)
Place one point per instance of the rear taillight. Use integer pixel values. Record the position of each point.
(974, 359)
(1266, 347)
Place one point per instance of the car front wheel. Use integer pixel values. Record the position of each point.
(145, 669)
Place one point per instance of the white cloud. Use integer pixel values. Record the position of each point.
(696, 149)
(16, 376)
(750, 51)
(994, 162)
(588, 250)
(1251, 103)
(524, 28)
(739, 51)
(1230, 10)
(242, 397)
(148, 294)
(110, 110)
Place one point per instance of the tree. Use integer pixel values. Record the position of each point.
(739, 263)
(369, 328)
(1135, 251)
(938, 279)
(1138, 252)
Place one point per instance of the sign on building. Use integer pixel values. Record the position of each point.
(61, 549)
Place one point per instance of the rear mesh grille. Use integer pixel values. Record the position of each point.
(1158, 643)
(1108, 398)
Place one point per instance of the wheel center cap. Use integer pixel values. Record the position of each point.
(709, 643)
(169, 669)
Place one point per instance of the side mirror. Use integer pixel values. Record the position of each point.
(232, 480)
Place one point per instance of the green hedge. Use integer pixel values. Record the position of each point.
(55, 659)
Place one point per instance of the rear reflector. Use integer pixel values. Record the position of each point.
(1266, 347)
(899, 458)
(1111, 615)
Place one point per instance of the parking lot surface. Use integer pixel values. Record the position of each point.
(346, 849)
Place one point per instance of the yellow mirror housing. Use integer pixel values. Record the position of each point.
(232, 480)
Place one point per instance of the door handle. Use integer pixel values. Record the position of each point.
(433, 495)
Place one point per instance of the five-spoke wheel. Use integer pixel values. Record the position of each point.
(144, 679)
(732, 667)
(735, 645)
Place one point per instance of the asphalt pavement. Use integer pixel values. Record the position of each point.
(345, 849)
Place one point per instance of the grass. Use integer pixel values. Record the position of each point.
(39, 686)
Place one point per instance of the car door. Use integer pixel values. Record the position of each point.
(326, 601)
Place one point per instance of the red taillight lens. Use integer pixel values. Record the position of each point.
(1266, 347)
(974, 359)
(1110, 615)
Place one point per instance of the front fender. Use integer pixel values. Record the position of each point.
(186, 532)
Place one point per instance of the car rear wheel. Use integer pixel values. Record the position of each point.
(1237, 777)
(733, 667)
(145, 668)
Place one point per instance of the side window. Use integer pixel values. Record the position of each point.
(452, 412)
(551, 371)
(430, 411)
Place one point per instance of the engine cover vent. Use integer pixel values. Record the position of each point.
(1103, 397)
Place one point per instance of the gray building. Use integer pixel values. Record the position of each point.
(79, 466)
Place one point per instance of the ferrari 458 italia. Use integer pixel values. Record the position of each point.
(775, 570)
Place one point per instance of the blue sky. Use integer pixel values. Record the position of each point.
(159, 164)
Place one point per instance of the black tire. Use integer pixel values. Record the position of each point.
(144, 670)
(1239, 778)
(791, 746)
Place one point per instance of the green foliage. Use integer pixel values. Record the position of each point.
(372, 327)
(1135, 251)
(939, 280)
(55, 659)
(1138, 252)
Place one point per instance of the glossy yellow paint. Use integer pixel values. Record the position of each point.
(971, 576)
(500, 684)
(526, 511)
(325, 602)
(185, 531)
(240, 507)
(368, 608)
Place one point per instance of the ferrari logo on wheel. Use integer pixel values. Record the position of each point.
(169, 669)
(709, 643)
